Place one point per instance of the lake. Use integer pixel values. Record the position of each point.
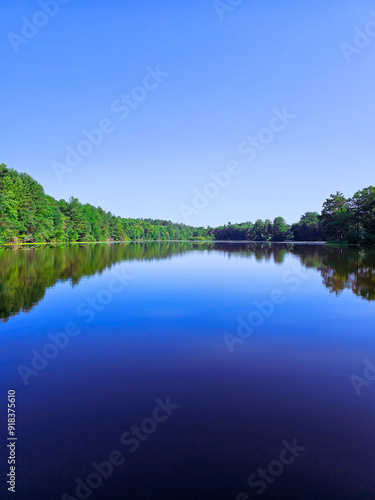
(192, 371)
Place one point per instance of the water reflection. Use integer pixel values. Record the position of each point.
(26, 274)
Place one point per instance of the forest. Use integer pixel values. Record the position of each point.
(29, 215)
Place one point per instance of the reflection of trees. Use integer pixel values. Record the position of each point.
(26, 274)
(260, 251)
(351, 269)
(342, 268)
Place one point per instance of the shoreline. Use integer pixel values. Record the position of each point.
(68, 243)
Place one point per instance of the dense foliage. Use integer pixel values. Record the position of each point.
(28, 215)
(351, 220)
(278, 230)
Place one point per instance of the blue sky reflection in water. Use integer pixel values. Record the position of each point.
(162, 335)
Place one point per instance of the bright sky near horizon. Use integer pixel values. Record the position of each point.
(181, 91)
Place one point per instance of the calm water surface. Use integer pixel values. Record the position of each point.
(259, 348)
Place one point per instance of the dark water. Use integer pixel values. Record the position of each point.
(166, 326)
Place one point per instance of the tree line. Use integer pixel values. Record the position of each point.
(28, 215)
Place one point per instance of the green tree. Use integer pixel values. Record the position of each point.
(336, 216)
(309, 228)
(363, 208)
(280, 229)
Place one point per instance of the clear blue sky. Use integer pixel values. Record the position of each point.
(225, 78)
